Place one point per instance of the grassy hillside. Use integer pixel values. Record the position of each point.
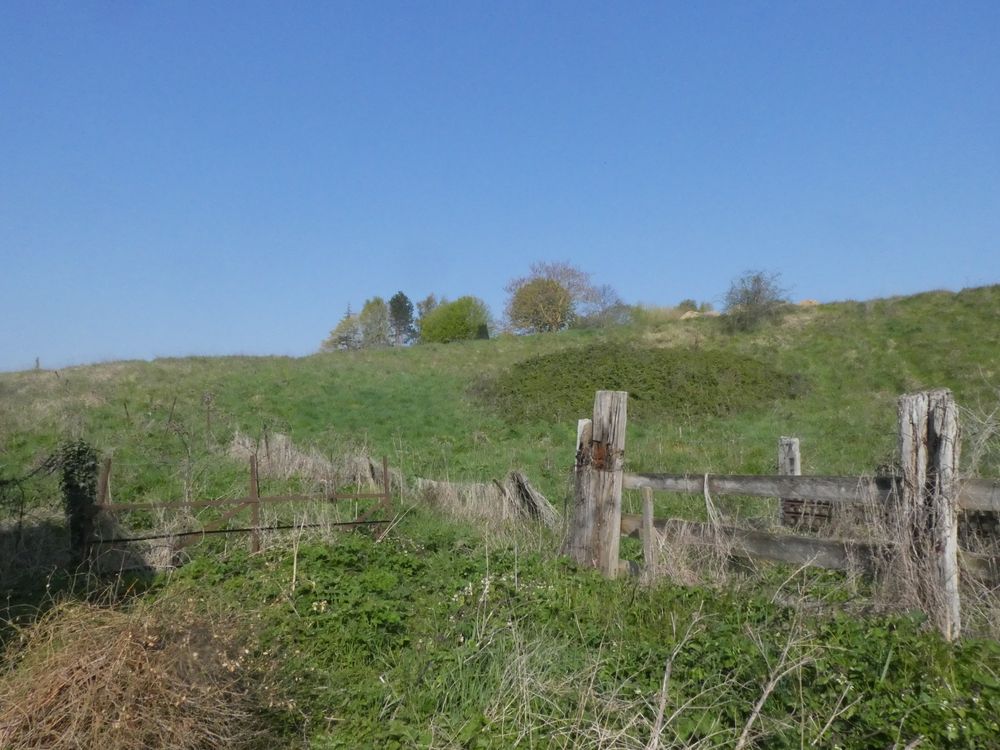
(848, 362)
(448, 636)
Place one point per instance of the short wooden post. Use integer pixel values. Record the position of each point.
(648, 534)
(790, 464)
(386, 488)
(594, 534)
(254, 506)
(104, 482)
(929, 449)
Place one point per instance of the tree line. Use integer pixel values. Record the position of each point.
(551, 297)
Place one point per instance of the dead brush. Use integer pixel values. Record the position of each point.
(160, 675)
(496, 504)
(280, 458)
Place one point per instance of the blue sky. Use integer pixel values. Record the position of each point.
(212, 178)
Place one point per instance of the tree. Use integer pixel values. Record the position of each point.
(754, 298)
(555, 296)
(427, 304)
(401, 319)
(465, 318)
(604, 308)
(424, 308)
(540, 305)
(347, 334)
(374, 321)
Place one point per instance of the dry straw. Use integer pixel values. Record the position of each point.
(155, 676)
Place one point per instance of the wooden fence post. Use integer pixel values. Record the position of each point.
(594, 535)
(929, 449)
(104, 482)
(790, 464)
(648, 534)
(254, 506)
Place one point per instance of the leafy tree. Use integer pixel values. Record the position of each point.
(374, 321)
(687, 305)
(540, 305)
(347, 335)
(401, 319)
(465, 318)
(424, 308)
(754, 298)
(556, 295)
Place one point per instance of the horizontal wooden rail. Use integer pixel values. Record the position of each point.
(248, 529)
(975, 494)
(800, 550)
(759, 545)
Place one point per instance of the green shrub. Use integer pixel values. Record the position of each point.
(465, 318)
(660, 382)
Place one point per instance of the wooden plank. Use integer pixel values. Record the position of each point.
(979, 494)
(833, 489)
(974, 494)
(984, 567)
(759, 545)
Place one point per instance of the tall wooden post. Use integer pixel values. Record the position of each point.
(594, 534)
(929, 448)
(254, 506)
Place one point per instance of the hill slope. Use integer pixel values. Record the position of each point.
(849, 361)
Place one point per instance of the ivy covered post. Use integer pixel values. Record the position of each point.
(79, 489)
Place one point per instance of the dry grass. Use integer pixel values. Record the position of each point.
(902, 576)
(496, 504)
(86, 676)
(279, 458)
(582, 709)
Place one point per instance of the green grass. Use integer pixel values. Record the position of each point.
(415, 405)
(407, 650)
(445, 638)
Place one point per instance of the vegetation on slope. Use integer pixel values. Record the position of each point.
(665, 383)
(443, 638)
(397, 640)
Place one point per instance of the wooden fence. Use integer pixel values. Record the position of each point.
(927, 497)
(377, 514)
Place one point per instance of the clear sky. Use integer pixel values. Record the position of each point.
(226, 177)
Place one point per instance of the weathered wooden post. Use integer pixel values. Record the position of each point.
(594, 534)
(790, 464)
(79, 488)
(929, 447)
(648, 534)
